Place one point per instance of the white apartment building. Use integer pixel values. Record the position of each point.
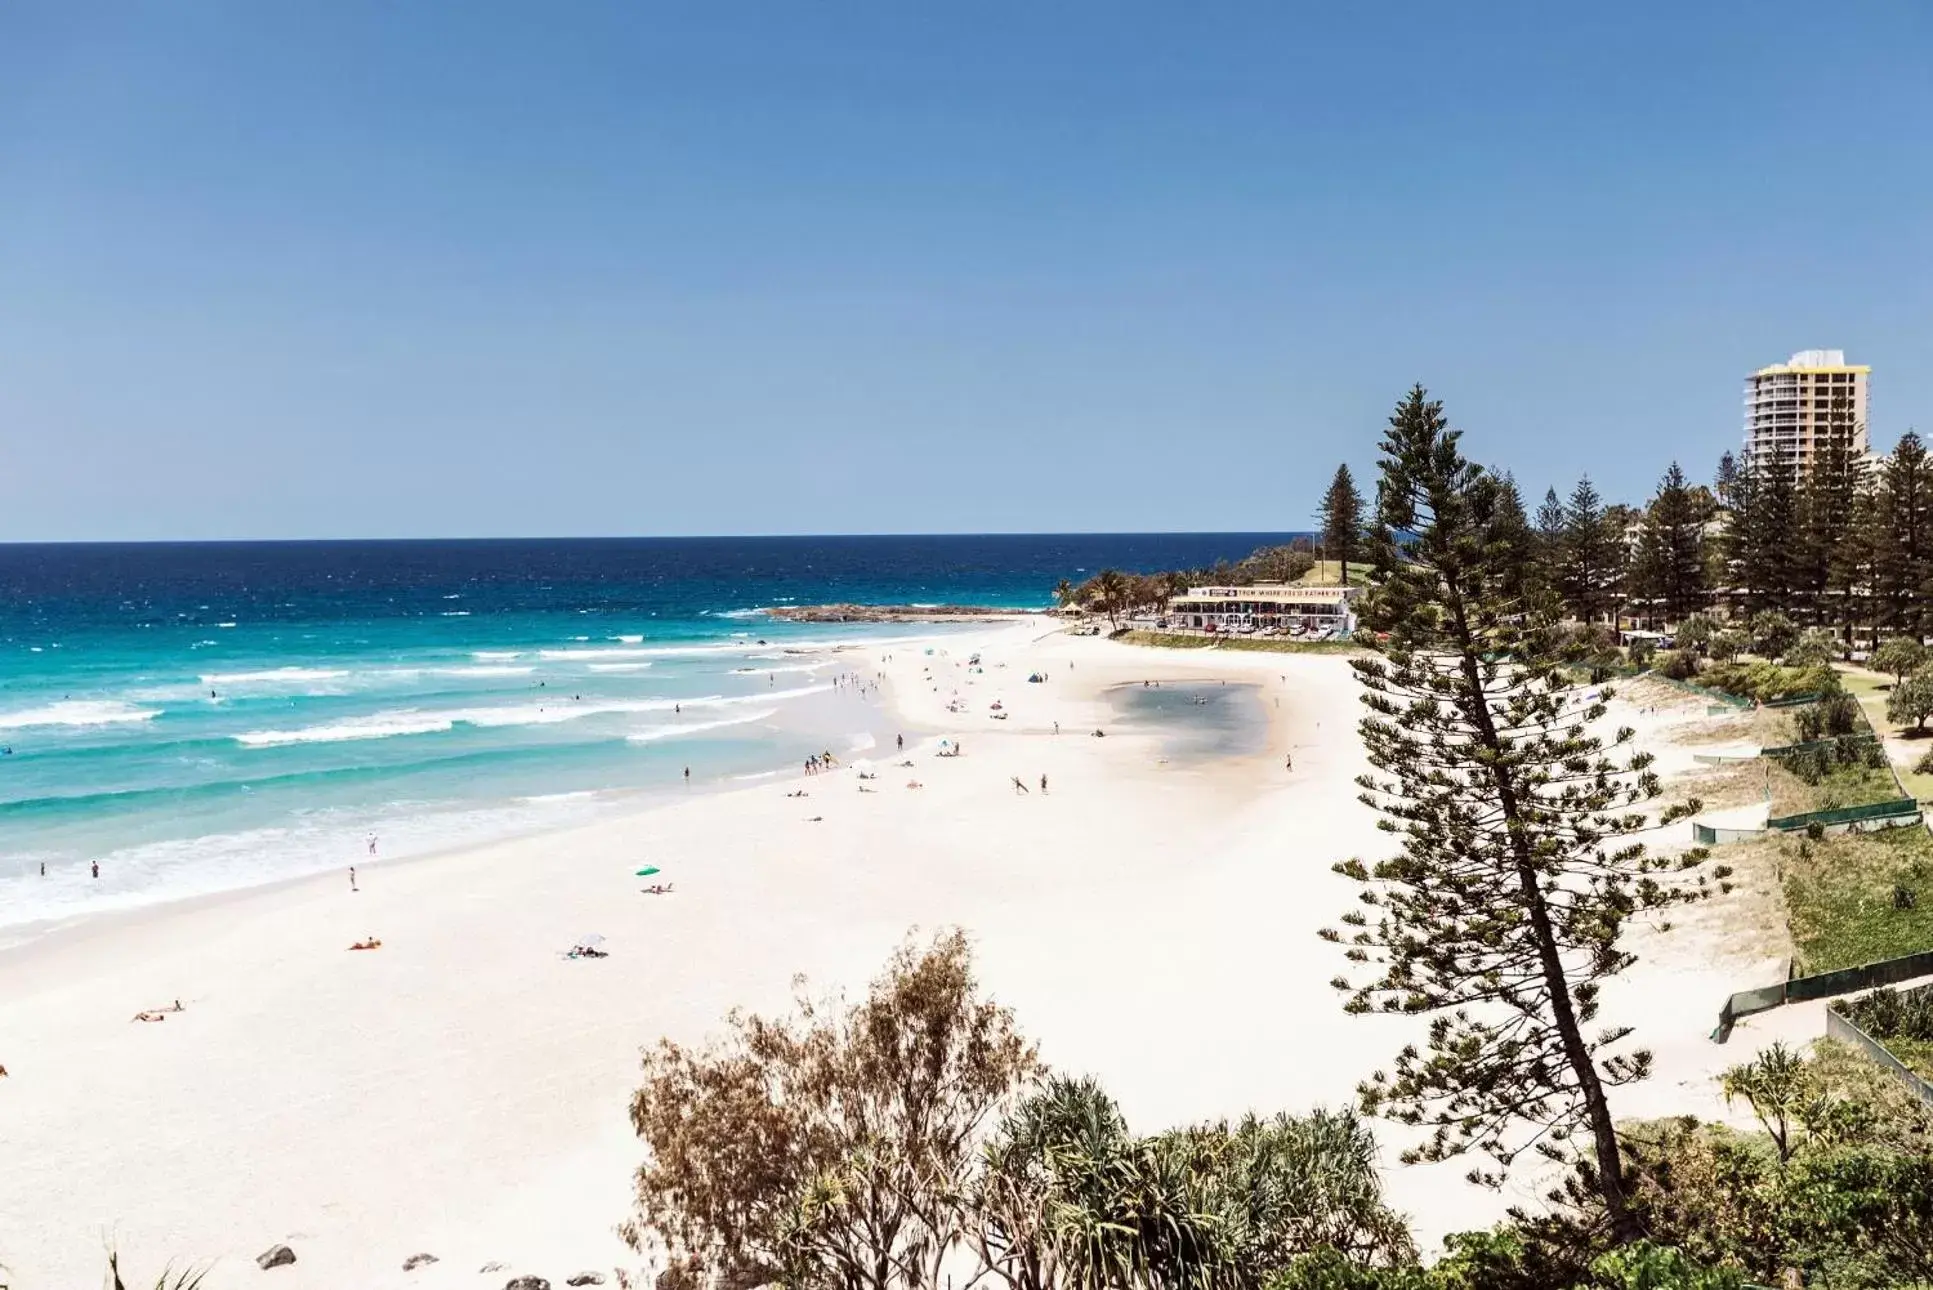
(1789, 407)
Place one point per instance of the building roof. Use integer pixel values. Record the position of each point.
(1814, 360)
(1279, 592)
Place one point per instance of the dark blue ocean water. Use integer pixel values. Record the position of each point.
(200, 717)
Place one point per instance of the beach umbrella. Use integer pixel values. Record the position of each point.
(647, 871)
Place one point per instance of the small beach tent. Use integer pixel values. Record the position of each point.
(646, 872)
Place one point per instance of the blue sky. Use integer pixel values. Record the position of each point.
(346, 269)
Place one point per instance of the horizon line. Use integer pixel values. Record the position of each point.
(651, 537)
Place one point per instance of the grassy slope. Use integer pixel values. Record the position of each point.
(1871, 689)
(1327, 573)
(1840, 894)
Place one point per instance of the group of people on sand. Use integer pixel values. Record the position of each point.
(858, 685)
(820, 762)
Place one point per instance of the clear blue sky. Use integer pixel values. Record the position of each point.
(355, 269)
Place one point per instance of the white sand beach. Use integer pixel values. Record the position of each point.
(463, 1090)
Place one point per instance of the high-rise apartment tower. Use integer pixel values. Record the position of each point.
(1790, 407)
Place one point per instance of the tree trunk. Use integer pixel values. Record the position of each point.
(1597, 1108)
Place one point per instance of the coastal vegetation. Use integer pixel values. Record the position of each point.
(913, 1139)
(914, 1136)
(1900, 1019)
(1500, 916)
(1858, 898)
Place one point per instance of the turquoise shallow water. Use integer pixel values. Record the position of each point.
(1198, 721)
(199, 718)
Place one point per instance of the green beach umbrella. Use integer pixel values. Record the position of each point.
(647, 871)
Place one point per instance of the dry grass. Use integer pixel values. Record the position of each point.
(1736, 783)
(1751, 919)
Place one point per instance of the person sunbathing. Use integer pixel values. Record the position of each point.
(370, 943)
(659, 889)
(587, 952)
(149, 1015)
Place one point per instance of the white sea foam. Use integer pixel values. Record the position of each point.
(490, 655)
(789, 667)
(635, 651)
(628, 640)
(455, 613)
(651, 734)
(484, 670)
(77, 712)
(861, 742)
(620, 667)
(416, 721)
(224, 624)
(274, 676)
(382, 725)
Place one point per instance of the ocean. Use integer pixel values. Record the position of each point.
(203, 717)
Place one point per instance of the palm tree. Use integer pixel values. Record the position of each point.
(1111, 587)
(1063, 593)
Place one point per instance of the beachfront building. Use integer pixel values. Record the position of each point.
(1266, 606)
(1789, 407)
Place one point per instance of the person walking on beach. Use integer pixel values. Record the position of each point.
(352, 879)
(1043, 786)
(1019, 785)
(687, 774)
(900, 742)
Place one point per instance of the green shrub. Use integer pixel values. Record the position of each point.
(1813, 649)
(1696, 632)
(1728, 644)
(1892, 1014)
(1767, 682)
(1911, 700)
(1772, 633)
(1678, 664)
(1644, 1266)
(1898, 656)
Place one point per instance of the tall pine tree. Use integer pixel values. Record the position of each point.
(1762, 538)
(1590, 556)
(1549, 543)
(1828, 507)
(1502, 913)
(1903, 533)
(1515, 539)
(1671, 556)
(1341, 517)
